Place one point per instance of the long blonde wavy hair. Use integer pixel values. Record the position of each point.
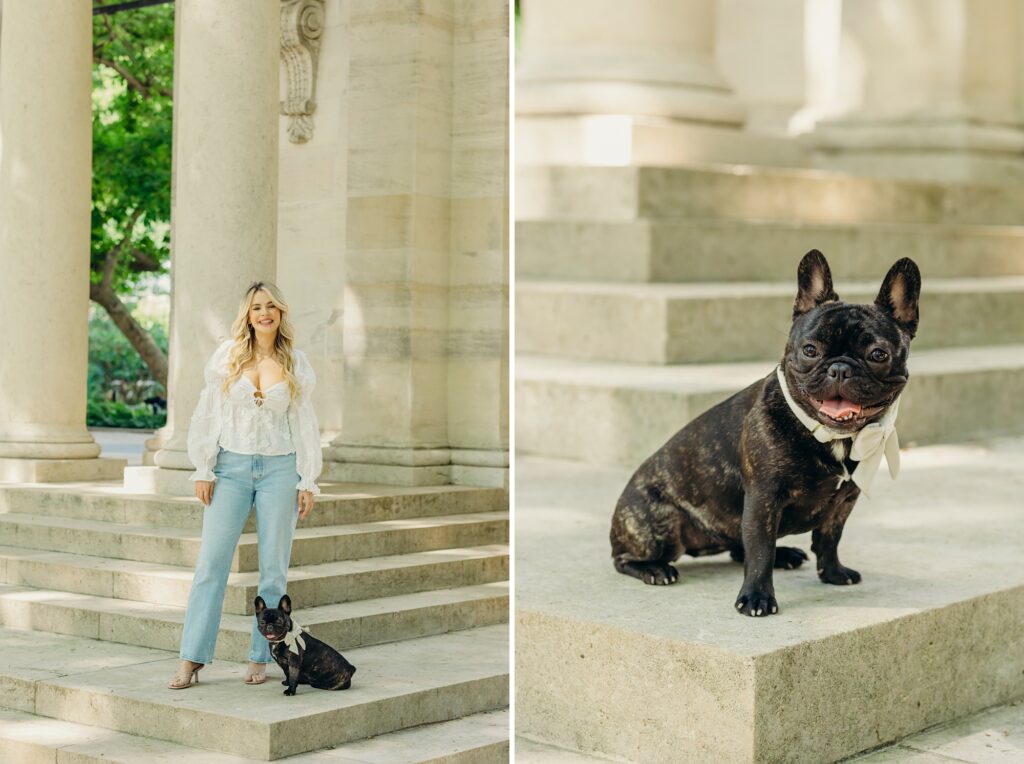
(243, 352)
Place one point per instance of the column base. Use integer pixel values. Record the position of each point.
(14, 470)
(393, 466)
(624, 139)
(946, 151)
(485, 468)
(159, 480)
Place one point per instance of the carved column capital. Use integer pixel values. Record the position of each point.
(302, 25)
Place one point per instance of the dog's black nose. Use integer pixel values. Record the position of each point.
(840, 371)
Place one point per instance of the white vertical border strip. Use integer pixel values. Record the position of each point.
(512, 374)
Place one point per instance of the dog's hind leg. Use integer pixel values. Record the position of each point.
(644, 541)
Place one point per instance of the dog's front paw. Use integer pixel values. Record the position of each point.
(290, 691)
(756, 603)
(659, 574)
(839, 576)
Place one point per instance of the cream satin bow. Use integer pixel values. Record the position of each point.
(869, 443)
(293, 638)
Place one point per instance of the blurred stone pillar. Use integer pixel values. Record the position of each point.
(395, 310)
(932, 90)
(45, 171)
(224, 199)
(781, 59)
(614, 83)
(478, 345)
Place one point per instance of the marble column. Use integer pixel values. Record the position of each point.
(931, 89)
(612, 83)
(224, 199)
(478, 345)
(396, 266)
(45, 170)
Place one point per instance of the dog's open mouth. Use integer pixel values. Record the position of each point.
(274, 637)
(844, 411)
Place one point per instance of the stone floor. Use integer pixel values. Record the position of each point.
(944, 539)
(995, 736)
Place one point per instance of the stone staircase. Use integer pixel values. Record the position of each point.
(647, 294)
(410, 583)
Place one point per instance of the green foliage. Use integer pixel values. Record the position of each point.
(133, 53)
(117, 414)
(114, 365)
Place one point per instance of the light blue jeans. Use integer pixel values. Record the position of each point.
(242, 481)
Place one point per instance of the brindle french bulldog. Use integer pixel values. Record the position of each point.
(303, 658)
(749, 470)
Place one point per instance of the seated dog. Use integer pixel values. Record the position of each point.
(303, 658)
(789, 454)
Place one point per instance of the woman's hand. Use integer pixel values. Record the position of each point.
(204, 491)
(305, 503)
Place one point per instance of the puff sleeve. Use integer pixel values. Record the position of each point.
(204, 429)
(309, 458)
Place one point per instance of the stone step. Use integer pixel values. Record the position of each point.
(607, 665)
(618, 414)
(749, 193)
(308, 585)
(311, 546)
(756, 250)
(709, 323)
(339, 503)
(345, 625)
(25, 738)
(118, 687)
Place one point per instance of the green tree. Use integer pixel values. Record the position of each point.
(133, 69)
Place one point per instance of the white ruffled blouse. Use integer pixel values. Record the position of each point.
(239, 421)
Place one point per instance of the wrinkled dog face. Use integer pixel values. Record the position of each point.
(274, 623)
(844, 363)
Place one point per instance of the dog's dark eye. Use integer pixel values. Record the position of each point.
(878, 355)
(810, 351)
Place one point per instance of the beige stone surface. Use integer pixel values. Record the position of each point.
(338, 504)
(949, 112)
(990, 737)
(224, 189)
(44, 231)
(413, 682)
(27, 470)
(345, 625)
(322, 584)
(742, 192)
(310, 546)
(710, 250)
(837, 671)
(952, 397)
(654, 57)
(738, 321)
(27, 739)
(641, 141)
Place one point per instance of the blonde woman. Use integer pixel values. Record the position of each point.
(254, 440)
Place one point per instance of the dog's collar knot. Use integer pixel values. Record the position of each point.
(292, 638)
(869, 444)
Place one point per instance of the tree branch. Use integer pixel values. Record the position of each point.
(111, 258)
(141, 340)
(143, 261)
(133, 82)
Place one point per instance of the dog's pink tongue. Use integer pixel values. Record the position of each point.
(837, 407)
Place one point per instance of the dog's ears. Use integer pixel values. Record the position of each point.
(260, 605)
(285, 605)
(814, 283)
(899, 294)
